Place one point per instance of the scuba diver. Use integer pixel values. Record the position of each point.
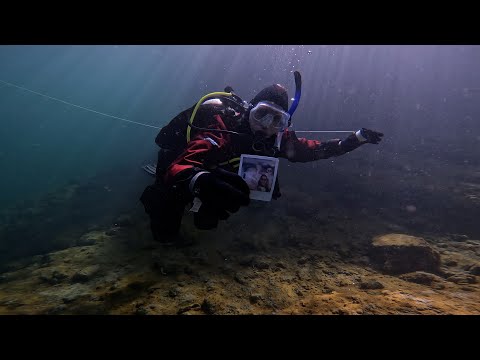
(200, 153)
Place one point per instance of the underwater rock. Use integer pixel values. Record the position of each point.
(209, 307)
(327, 290)
(250, 261)
(256, 297)
(90, 238)
(462, 279)
(467, 267)
(187, 299)
(185, 309)
(85, 274)
(421, 277)
(371, 285)
(137, 285)
(52, 277)
(124, 221)
(141, 310)
(400, 253)
(57, 309)
(302, 261)
(261, 264)
(112, 232)
(438, 285)
(458, 237)
(468, 288)
(12, 304)
(86, 241)
(276, 269)
(240, 279)
(67, 294)
(154, 288)
(303, 274)
(287, 278)
(210, 285)
(466, 247)
(187, 302)
(450, 262)
(343, 282)
(173, 292)
(475, 270)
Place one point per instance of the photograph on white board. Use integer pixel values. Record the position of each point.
(260, 174)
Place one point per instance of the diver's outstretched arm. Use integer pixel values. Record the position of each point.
(304, 150)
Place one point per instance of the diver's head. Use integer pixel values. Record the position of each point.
(269, 113)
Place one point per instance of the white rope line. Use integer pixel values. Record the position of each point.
(323, 131)
(77, 106)
(135, 122)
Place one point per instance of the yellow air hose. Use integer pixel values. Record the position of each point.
(200, 102)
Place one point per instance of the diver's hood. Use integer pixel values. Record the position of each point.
(279, 96)
(274, 93)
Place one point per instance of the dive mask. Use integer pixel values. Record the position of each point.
(269, 118)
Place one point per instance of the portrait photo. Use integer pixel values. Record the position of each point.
(260, 173)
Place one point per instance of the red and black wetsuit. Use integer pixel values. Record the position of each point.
(208, 149)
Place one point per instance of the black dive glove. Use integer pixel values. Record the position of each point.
(221, 192)
(369, 136)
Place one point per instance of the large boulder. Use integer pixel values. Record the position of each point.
(400, 253)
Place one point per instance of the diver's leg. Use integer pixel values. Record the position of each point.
(165, 225)
(164, 160)
(165, 214)
(165, 210)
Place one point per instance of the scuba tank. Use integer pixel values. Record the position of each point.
(174, 137)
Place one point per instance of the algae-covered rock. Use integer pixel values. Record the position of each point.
(90, 238)
(400, 253)
(85, 274)
(421, 277)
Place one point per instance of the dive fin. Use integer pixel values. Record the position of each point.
(150, 168)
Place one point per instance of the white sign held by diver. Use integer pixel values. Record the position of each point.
(260, 174)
